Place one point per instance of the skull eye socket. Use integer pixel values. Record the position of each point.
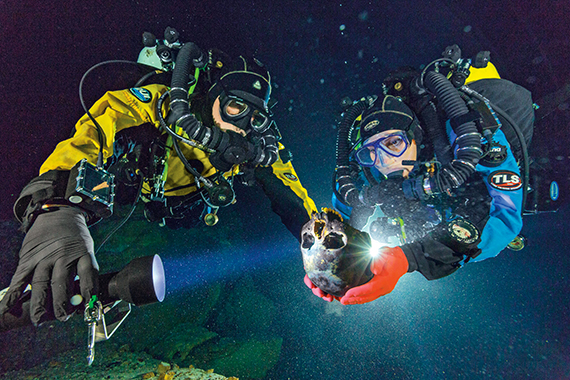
(308, 241)
(319, 227)
(333, 241)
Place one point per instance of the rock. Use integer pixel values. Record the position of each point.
(135, 365)
(181, 340)
(245, 312)
(163, 367)
(251, 359)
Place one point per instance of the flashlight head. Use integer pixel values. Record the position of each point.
(141, 282)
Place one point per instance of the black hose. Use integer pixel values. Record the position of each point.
(468, 137)
(133, 207)
(175, 139)
(141, 81)
(524, 151)
(436, 134)
(342, 175)
(100, 133)
(270, 152)
(210, 138)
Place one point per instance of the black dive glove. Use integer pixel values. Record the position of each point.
(57, 247)
(237, 150)
(359, 216)
(390, 197)
(413, 188)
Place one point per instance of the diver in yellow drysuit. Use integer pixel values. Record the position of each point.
(183, 144)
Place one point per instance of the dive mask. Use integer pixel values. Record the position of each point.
(394, 145)
(244, 116)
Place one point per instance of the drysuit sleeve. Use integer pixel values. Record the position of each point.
(289, 199)
(492, 204)
(115, 111)
(505, 187)
(456, 239)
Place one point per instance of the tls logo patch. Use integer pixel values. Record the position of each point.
(505, 180)
(141, 94)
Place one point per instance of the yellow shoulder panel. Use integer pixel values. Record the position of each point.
(489, 72)
(115, 111)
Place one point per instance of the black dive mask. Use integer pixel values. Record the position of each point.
(243, 115)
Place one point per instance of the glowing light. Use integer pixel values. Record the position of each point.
(158, 278)
(375, 248)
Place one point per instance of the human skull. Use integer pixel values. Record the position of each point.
(335, 255)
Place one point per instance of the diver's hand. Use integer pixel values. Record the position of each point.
(413, 188)
(235, 150)
(388, 268)
(318, 292)
(57, 247)
(359, 216)
(391, 198)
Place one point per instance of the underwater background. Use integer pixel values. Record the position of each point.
(236, 301)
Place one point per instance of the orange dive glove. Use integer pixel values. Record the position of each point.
(388, 268)
(318, 292)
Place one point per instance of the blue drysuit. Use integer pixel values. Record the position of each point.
(490, 200)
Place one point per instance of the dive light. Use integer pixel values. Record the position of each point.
(141, 282)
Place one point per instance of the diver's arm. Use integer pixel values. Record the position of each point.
(504, 185)
(496, 216)
(432, 258)
(440, 253)
(115, 111)
(455, 240)
(289, 199)
(58, 244)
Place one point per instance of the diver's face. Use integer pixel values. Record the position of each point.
(395, 149)
(224, 125)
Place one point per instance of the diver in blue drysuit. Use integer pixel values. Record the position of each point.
(442, 211)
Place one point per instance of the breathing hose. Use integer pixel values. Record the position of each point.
(438, 136)
(210, 138)
(468, 139)
(342, 176)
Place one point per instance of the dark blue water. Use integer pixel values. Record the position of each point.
(504, 318)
